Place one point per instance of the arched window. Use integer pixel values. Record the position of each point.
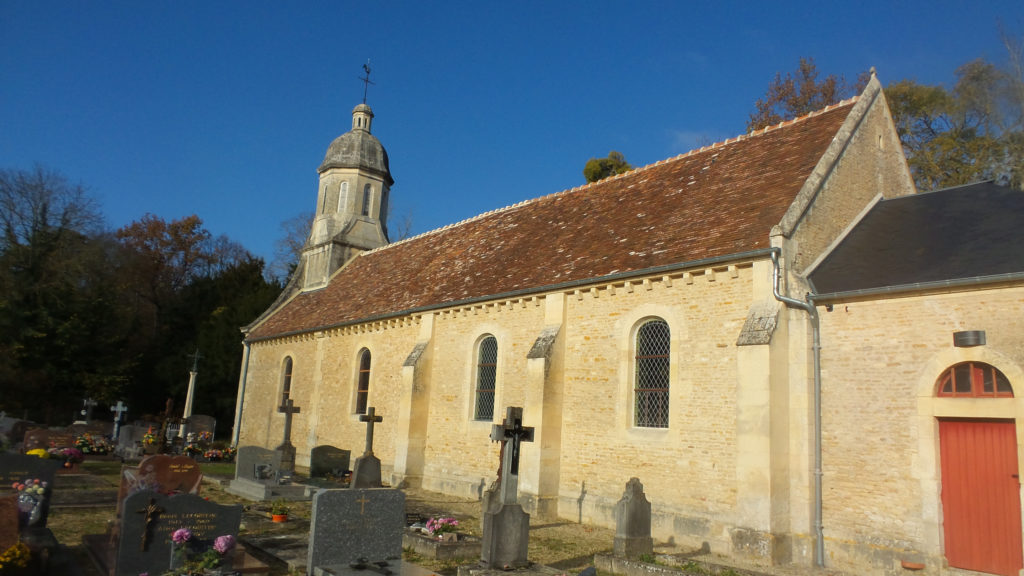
(367, 198)
(486, 378)
(974, 380)
(343, 196)
(286, 380)
(363, 388)
(650, 408)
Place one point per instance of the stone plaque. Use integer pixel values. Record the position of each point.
(257, 464)
(350, 524)
(324, 460)
(150, 519)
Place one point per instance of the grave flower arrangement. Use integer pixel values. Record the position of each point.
(71, 456)
(39, 453)
(14, 557)
(90, 444)
(149, 437)
(31, 497)
(213, 455)
(190, 555)
(441, 525)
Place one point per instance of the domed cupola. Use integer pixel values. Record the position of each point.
(352, 201)
(358, 148)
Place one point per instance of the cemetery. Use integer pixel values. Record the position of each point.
(115, 509)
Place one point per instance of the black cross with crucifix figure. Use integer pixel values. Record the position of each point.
(511, 433)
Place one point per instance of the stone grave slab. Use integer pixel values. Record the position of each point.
(324, 460)
(353, 524)
(257, 473)
(150, 519)
(20, 469)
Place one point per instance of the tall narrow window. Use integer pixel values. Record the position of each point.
(363, 388)
(286, 380)
(343, 197)
(367, 198)
(652, 375)
(486, 378)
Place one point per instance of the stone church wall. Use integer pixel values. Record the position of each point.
(880, 363)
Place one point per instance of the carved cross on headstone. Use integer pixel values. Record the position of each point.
(511, 433)
(288, 408)
(151, 511)
(370, 418)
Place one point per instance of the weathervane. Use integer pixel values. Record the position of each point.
(366, 80)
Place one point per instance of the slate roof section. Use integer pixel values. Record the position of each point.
(948, 235)
(713, 202)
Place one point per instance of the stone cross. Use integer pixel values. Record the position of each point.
(288, 408)
(118, 410)
(511, 433)
(370, 417)
(87, 405)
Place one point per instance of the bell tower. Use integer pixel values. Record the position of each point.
(352, 201)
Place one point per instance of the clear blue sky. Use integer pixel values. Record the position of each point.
(225, 109)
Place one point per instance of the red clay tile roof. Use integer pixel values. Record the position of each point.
(720, 200)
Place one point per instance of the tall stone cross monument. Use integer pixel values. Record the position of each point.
(506, 525)
(366, 470)
(286, 449)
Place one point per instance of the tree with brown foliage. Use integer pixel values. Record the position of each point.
(801, 93)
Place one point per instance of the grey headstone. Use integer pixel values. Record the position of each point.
(366, 472)
(324, 460)
(633, 522)
(199, 423)
(257, 464)
(19, 468)
(129, 435)
(150, 519)
(506, 536)
(349, 524)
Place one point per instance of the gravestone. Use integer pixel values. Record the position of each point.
(366, 470)
(201, 423)
(633, 522)
(324, 460)
(160, 473)
(150, 519)
(46, 439)
(256, 473)
(506, 527)
(9, 532)
(352, 526)
(17, 470)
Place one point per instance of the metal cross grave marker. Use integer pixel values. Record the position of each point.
(370, 417)
(511, 433)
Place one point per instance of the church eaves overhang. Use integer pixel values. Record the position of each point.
(711, 204)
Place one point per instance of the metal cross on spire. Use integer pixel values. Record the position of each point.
(366, 79)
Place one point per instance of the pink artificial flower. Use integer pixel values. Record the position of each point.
(224, 544)
(181, 535)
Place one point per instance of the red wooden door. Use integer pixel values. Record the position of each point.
(981, 495)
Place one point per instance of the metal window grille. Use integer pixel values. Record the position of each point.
(363, 390)
(486, 378)
(650, 408)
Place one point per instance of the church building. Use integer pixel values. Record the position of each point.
(803, 359)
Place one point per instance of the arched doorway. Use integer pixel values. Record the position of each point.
(980, 483)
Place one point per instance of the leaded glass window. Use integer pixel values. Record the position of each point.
(650, 409)
(486, 378)
(286, 380)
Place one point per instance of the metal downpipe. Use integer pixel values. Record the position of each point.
(812, 312)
